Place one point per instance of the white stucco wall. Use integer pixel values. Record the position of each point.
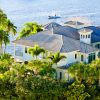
(65, 74)
(70, 58)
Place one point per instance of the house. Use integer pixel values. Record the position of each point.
(77, 44)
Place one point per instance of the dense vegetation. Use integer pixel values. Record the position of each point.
(36, 79)
(6, 28)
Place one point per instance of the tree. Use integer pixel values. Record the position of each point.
(6, 24)
(4, 38)
(96, 68)
(6, 27)
(3, 17)
(55, 58)
(9, 27)
(76, 91)
(29, 29)
(36, 50)
(42, 67)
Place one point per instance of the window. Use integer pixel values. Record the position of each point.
(82, 58)
(60, 76)
(25, 49)
(83, 36)
(88, 36)
(98, 54)
(97, 46)
(75, 56)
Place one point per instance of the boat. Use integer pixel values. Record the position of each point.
(54, 17)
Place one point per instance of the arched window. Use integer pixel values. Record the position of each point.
(82, 58)
(83, 36)
(88, 36)
(75, 56)
(60, 76)
(25, 49)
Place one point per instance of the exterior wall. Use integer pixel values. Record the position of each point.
(26, 56)
(19, 53)
(65, 74)
(86, 40)
(85, 35)
(70, 58)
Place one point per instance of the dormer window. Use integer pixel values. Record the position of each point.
(88, 36)
(83, 36)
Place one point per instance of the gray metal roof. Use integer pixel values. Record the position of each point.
(70, 45)
(43, 39)
(67, 31)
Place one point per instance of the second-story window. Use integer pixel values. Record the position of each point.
(75, 56)
(88, 36)
(83, 36)
(82, 58)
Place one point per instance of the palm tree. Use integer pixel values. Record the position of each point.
(6, 24)
(3, 17)
(4, 38)
(9, 27)
(36, 50)
(29, 29)
(56, 57)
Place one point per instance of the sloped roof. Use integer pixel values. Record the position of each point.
(66, 31)
(61, 38)
(70, 45)
(43, 39)
(55, 42)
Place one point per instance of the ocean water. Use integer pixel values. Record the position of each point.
(22, 11)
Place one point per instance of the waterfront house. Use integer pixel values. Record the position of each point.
(80, 44)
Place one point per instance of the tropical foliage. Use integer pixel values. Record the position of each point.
(55, 58)
(36, 51)
(29, 29)
(36, 79)
(6, 27)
